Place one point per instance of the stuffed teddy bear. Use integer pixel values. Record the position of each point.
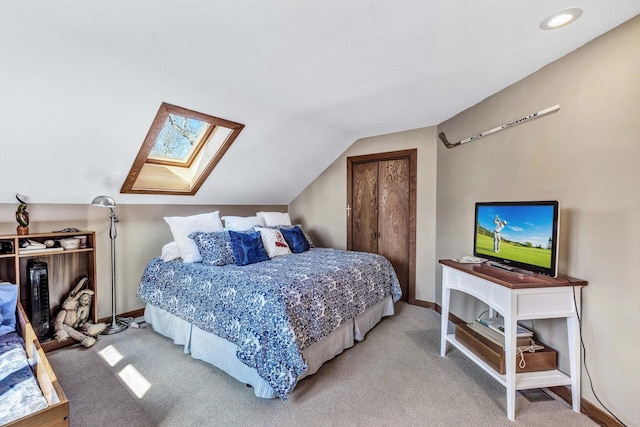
(72, 320)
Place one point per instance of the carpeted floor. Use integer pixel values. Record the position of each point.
(394, 377)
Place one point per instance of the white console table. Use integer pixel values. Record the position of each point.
(517, 297)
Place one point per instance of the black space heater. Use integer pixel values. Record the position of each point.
(39, 286)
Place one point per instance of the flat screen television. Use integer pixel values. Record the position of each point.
(518, 234)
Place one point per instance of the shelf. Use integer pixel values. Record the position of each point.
(44, 252)
(540, 379)
(558, 298)
(51, 235)
(524, 380)
(64, 268)
(502, 379)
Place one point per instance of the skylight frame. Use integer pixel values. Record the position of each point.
(143, 158)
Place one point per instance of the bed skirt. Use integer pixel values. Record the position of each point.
(221, 353)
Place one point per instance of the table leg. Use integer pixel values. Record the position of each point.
(510, 328)
(444, 318)
(573, 333)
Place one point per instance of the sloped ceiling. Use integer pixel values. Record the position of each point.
(81, 80)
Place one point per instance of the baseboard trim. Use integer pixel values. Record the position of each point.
(133, 313)
(425, 304)
(589, 409)
(452, 317)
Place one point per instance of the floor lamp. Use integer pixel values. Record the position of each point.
(116, 325)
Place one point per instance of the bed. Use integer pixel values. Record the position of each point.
(30, 394)
(270, 323)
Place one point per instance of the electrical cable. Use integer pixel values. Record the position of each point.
(584, 353)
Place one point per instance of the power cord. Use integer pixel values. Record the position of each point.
(584, 353)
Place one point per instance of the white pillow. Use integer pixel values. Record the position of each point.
(273, 241)
(182, 226)
(242, 223)
(170, 251)
(275, 218)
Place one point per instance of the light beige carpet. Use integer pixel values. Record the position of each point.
(395, 377)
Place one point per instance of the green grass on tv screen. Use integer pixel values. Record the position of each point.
(513, 251)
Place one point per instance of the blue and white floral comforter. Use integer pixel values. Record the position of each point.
(272, 310)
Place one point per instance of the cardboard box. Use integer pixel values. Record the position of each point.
(493, 354)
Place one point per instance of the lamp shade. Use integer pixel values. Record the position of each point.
(104, 201)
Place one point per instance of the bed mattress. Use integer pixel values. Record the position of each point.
(221, 353)
(272, 310)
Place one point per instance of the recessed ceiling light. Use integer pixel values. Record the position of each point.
(561, 18)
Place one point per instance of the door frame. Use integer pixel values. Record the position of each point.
(412, 156)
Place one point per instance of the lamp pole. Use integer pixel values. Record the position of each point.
(105, 201)
(115, 326)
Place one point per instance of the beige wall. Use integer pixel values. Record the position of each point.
(142, 232)
(322, 206)
(587, 156)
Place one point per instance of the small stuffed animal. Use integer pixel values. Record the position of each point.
(72, 320)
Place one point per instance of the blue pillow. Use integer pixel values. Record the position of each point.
(247, 247)
(295, 239)
(288, 227)
(8, 303)
(214, 247)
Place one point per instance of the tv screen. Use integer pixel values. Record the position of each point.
(518, 234)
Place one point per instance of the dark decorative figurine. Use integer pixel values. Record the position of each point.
(22, 216)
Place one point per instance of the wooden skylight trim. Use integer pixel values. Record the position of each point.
(153, 175)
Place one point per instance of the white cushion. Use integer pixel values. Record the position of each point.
(170, 251)
(242, 223)
(182, 226)
(273, 241)
(275, 218)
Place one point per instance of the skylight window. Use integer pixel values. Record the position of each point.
(181, 149)
(179, 139)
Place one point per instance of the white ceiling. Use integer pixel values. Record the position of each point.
(81, 80)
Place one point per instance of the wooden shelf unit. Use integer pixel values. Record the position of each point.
(65, 269)
(517, 296)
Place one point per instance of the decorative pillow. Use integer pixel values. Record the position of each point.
(247, 248)
(215, 248)
(273, 241)
(181, 227)
(241, 223)
(275, 218)
(295, 238)
(288, 227)
(170, 251)
(8, 303)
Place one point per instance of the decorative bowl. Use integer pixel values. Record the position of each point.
(68, 244)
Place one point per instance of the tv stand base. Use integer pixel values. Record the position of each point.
(517, 298)
(501, 266)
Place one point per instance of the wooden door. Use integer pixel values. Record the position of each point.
(365, 207)
(381, 211)
(393, 216)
